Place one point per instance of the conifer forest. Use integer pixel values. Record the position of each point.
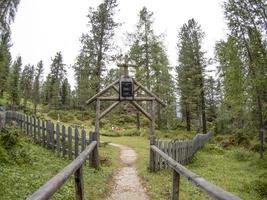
(125, 122)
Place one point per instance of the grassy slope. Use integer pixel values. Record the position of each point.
(18, 181)
(213, 163)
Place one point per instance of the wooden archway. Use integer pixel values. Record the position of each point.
(126, 89)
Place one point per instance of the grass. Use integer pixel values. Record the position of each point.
(219, 166)
(19, 181)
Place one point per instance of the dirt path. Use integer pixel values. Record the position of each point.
(127, 184)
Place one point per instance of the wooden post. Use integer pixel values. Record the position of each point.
(152, 138)
(34, 128)
(76, 147)
(96, 136)
(64, 141)
(79, 188)
(175, 185)
(52, 140)
(93, 158)
(38, 130)
(58, 138)
(70, 142)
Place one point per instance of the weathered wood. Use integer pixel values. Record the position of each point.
(175, 185)
(48, 134)
(43, 132)
(152, 137)
(58, 138)
(31, 126)
(150, 93)
(109, 109)
(38, 130)
(76, 137)
(138, 107)
(28, 121)
(79, 187)
(64, 151)
(49, 188)
(70, 142)
(207, 187)
(101, 92)
(83, 140)
(34, 128)
(94, 156)
(52, 137)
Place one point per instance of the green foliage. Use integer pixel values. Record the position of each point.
(63, 116)
(259, 185)
(242, 154)
(12, 146)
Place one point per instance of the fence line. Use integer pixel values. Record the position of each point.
(64, 141)
(180, 151)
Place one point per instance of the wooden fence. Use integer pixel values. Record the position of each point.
(65, 141)
(180, 151)
(178, 169)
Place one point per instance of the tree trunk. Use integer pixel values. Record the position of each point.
(188, 119)
(138, 120)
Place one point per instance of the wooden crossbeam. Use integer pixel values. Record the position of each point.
(138, 107)
(102, 92)
(150, 93)
(109, 109)
(113, 98)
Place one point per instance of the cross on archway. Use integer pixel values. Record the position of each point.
(126, 88)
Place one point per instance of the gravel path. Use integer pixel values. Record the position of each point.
(127, 185)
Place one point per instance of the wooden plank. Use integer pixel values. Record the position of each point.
(70, 142)
(38, 130)
(109, 109)
(48, 134)
(79, 185)
(83, 140)
(52, 136)
(209, 188)
(58, 138)
(49, 188)
(34, 128)
(31, 133)
(64, 151)
(43, 132)
(76, 147)
(175, 185)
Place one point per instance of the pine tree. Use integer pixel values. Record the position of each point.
(65, 94)
(190, 72)
(5, 61)
(37, 84)
(13, 82)
(95, 52)
(8, 10)
(54, 81)
(247, 22)
(26, 83)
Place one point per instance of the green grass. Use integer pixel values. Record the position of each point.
(19, 181)
(219, 166)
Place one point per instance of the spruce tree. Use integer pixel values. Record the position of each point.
(26, 83)
(37, 84)
(13, 82)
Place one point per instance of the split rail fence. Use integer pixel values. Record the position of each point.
(180, 151)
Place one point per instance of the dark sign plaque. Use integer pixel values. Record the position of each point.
(126, 89)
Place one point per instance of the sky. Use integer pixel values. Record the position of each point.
(44, 27)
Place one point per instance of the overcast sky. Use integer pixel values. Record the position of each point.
(44, 27)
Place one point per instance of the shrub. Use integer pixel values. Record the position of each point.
(9, 137)
(3, 155)
(131, 132)
(214, 149)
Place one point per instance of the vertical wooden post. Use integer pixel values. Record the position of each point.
(93, 158)
(64, 152)
(79, 188)
(152, 138)
(31, 126)
(175, 185)
(34, 128)
(52, 134)
(58, 138)
(76, 147)
(70, 142)
(38, 129)
(96, 136)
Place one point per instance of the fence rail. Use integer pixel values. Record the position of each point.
(180, 151)
(50, 187)
(179, 169)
